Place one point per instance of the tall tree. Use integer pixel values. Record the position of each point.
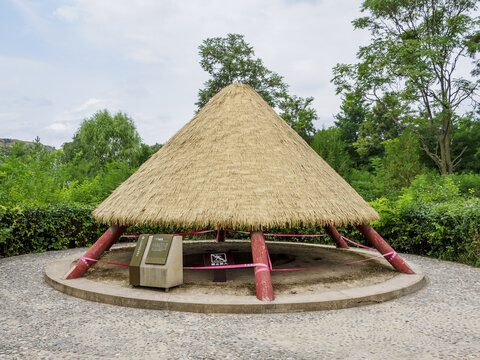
(353, 113)
(414, 55)
(103, 139)
(231, 60)
(381, 124)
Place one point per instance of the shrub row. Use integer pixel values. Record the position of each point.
(448, 230)
(26, 229)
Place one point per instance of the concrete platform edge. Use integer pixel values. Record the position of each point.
(398, 286)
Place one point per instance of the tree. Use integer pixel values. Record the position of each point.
(148, 150)
(103, 139)
(298, 113)
(328, 144)
(29, 174)
(365, 126)
(381, 124)
(232, 60)
(415, 50)
(402, 160)
(467, 139)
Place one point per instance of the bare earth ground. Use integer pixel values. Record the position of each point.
(441, 321)
(242, 281)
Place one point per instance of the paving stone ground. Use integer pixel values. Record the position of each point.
(441, 321)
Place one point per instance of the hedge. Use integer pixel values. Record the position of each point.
(447, 230)
(28, 229)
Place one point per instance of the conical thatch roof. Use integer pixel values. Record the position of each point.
(235, 164)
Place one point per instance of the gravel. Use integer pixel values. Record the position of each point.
(441, 321)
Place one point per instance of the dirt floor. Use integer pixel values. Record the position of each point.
(330, 274)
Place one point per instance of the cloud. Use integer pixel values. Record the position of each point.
(89, 105)
(144, 56)
(9, 116)
(141, 57)
(19, 62)
(27, 101)
(67, 13)
(61, 128)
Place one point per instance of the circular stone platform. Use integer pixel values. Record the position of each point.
(329, 287)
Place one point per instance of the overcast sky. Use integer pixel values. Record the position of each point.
(61, 61)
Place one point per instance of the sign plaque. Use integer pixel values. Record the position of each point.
(218, 259)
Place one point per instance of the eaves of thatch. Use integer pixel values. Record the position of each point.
(235, 164)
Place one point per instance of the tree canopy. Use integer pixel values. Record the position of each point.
(103, 139)
(413, 57)
(232, 59)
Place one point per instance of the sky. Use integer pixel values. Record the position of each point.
(61, 61)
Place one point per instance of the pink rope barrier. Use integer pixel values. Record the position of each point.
(86, 260)
(185, 233)
(359, 245)
(284, 235)
(261, 266)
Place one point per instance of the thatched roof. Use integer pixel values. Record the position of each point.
(235, 164)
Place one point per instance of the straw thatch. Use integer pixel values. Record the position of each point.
(235, 164)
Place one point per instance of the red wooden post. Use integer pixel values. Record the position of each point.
(262, 274)
(335, 236)
(381, 245)
(103, 243)
(221, 235)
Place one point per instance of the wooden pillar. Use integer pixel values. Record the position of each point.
(103, 243)
(262, 274)
(381, 245)
(335, 236)
(221, 235)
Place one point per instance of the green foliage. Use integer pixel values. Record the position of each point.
(299, 114)
(93, 191)
(146, 151)
(468, 184)
(466, 141)
(381, 124)
(353, 113)
(38, 228)
(29, 174)
(232, 59)
(402, 160)
(412, 59)
(364, 182)
(329, 145)
(40, 178)
(388, 175)
(100, 140)
(432, 218)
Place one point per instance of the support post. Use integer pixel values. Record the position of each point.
(221, 235)
(103, 243)
(381, 245)
(335, 236)
(262, 274)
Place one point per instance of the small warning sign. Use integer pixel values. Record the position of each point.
(218, 259)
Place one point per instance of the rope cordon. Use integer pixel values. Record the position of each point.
(260, 266)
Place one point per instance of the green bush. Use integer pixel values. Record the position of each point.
(432, 218)
(27, 229)
(468, 184)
